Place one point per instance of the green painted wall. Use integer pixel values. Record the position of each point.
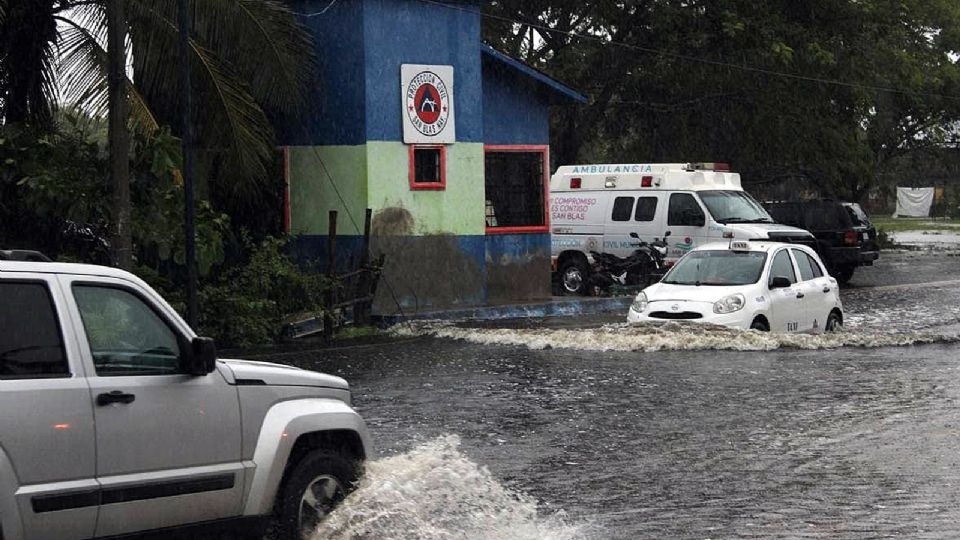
(376, 175)
(312, 195)
(459, 209)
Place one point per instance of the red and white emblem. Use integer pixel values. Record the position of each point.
(428, 103)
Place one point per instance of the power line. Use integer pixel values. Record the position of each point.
(695, 59)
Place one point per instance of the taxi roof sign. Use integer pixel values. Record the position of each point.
(739, 245)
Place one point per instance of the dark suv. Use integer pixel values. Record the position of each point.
(845, 237)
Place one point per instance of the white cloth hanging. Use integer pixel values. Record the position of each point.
(914, 202)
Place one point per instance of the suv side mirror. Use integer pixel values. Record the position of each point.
(634, 235)
(780, 282)
(200, 358)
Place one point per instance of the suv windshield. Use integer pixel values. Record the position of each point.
(734, 207)
(717, 268)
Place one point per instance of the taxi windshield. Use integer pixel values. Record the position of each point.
(719, 267)
(734, 207)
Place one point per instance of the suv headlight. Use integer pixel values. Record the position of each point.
(639, 303)
(729, 304)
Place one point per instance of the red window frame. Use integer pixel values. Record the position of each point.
(428, 186)
(544, 150)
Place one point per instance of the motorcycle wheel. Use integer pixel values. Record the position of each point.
(574, 274)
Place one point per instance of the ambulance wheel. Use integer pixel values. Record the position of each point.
(844, 273)
(573, 276)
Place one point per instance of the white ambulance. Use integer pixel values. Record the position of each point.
(596, 207)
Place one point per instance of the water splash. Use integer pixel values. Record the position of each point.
(677, 336)
(435, 492)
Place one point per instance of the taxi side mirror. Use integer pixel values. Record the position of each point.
(780, 282)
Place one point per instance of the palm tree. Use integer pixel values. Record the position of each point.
(251, 62)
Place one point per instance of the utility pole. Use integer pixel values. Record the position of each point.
(187, 140)
(119, 135)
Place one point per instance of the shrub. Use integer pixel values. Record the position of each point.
(247, 305)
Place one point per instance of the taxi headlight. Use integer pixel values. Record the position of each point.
(639, 303)
(729, 304)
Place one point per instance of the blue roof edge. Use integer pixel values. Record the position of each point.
(534, 74)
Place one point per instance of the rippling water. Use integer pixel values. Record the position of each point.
(874, 318)
(672, 336)
(735, 435)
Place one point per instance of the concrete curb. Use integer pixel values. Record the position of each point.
(552, 308)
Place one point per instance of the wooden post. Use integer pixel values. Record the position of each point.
(361, 310)
(331, 275)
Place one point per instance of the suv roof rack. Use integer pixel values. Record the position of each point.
(23, 255)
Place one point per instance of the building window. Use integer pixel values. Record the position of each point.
(516, 188)
(428, 167)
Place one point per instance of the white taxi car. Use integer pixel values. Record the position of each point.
(749, 285)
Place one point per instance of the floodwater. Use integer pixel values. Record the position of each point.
(544, 432)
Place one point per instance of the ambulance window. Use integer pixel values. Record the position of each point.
(646, 209)
(782, 267)
(622, 208)
(685, 211)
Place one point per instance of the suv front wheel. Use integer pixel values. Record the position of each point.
(311, 490)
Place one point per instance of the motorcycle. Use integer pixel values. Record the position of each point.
(643, 267)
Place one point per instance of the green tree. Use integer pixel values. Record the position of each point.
(824, 91)
(251, 62)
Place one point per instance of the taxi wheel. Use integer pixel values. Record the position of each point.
(759, 325)
(834, 322)
(573, 276)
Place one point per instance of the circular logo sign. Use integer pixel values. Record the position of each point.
(428, 103)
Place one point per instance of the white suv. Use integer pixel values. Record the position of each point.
(117, 419)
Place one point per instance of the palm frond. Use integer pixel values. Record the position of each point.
(28, 86)
(261, 40)
(228, 120)
(83, 69)
(266, 44)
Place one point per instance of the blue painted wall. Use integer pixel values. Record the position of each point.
(414, 32)
(310, 251)
(502, 248)
(337, 116)
(515, 109)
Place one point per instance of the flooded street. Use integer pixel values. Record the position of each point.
(582, 442)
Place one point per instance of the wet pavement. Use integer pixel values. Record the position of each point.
(848, 442)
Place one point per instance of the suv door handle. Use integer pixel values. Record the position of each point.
(800, 295)
(826, 289)
(115, 397)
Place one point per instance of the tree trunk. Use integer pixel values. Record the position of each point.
(121, 237)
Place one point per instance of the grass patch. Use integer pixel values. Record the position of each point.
(889, 224)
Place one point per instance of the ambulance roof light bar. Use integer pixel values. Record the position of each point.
(717, 167)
